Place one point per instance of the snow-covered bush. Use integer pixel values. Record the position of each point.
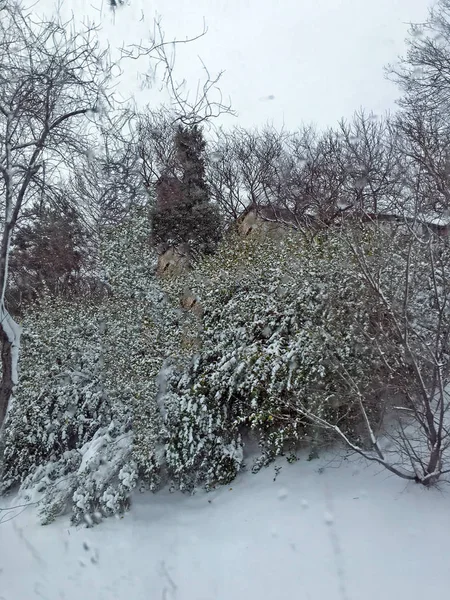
(61, 404)
(96, 480)
(285, 322)
(285, 336)
(85, 423)
(141, 331)
(108, 475)
(307, 339)
(60, 401)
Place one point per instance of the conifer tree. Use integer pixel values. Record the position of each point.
(184, 214)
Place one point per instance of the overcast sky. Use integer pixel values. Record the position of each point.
(285, 61)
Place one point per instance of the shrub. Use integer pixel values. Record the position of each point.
(282, 322)
(85, 424)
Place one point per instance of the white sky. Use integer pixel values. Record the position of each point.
(285, 61)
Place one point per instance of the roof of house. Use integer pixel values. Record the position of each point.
(284, 215)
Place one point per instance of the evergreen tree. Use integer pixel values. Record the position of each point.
(49, 255)
(184, 214)
(190, 148)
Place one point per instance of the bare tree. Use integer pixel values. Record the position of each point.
(156, 148)
(107, 180)
(424, 77)
(424, 144)
(424, 73)
(224, 176)
(316, 183)
(407, 272)
(287, 177)
(52, 85)
(292, 178)
(247, 167)
(349, 170)
(307, 177)
(369, 162)
(189, 109)
(261, 155)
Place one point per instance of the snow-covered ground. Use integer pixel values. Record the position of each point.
(343, 532)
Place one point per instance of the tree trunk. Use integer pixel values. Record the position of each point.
(434, 465)
(7, 382)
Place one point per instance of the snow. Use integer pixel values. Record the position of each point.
(91, 449)
(329, 529)
(13, 331)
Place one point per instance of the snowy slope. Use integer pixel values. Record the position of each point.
(349, 532)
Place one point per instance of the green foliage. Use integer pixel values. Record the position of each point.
(142, 331)
(190, 147)
(84, 423)
(60, 401)
(198, 226)
(183, 214)
(285, 324)
(63, 408)
(113, 393)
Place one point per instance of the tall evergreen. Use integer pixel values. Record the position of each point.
(190, 148)
(184, 215)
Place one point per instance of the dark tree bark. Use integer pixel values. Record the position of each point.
(7, 383)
